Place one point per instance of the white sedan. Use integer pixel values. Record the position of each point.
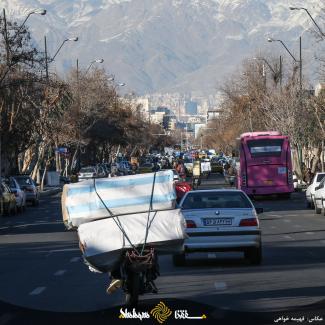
(310, 192)
(319, 197)
(221, 220)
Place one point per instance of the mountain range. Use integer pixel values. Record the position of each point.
(159, 46)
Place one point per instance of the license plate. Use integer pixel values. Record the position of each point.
(217, 222)
(268, 182)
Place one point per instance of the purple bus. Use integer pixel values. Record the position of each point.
(265, 164)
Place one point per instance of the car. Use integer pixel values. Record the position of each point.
(216, 166)
(310, 192)
(8, 199)
(27, 184)
(91, 172)
(319, 197)
(124, 167)
(146, 168)
(19, 193)
(220, 220)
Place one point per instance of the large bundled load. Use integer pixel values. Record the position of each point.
(85, 201)
(120, 213)
(103, 241)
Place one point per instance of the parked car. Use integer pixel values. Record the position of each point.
(319, 197)
(310, 192)
(91, 172)
(8, 199)
(221, 220)
(19, 193)
(27, 184)
(124, 167)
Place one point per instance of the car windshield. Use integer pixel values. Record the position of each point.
(215, 200)
(87, 170)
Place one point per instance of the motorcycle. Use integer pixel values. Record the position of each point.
(138, 274)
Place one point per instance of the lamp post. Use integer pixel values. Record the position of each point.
(311, 17)
(297, 61)
(92, 62)
(74, 39)
(41, 12)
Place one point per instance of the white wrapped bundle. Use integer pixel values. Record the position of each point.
(103, 241)
(122, 195)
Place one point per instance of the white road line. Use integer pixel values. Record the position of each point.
(287, 237)
(310, 233)
(75, 259)
(286, 220)
(220, 285)
(273, 227)
(60, 272)
(37, 291)
(211, 255)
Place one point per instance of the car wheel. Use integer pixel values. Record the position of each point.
(254, 255)
(308, 205)
(312, 204)
(179, 259)
(317, 210)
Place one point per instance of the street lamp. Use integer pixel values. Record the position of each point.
(41, 12)
(297, 61)
(92, 62)
(73, 39)
(310, 16)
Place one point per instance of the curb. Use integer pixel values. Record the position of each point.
(50, 192)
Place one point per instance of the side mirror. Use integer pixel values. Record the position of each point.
(259, 210)
(317, 188)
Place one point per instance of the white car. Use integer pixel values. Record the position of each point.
(319, 197)
(20, 194)
(310, 192)
(220, 220)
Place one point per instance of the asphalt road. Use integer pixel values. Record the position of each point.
(43, 279)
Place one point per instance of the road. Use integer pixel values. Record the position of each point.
(43, 279)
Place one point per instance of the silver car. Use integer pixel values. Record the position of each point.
(221, 220)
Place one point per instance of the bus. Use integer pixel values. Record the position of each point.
(265, 166)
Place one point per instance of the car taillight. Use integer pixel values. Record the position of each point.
(190, 224)
(244, 179)
(251, 222)
(290, 177)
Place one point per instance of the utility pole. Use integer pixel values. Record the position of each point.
(300, 63)
(280, 71)
(46, 60)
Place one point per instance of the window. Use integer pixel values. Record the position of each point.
(216, 200)
(320, 177)
(265, 147)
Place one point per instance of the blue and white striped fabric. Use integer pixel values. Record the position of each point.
(122, 195)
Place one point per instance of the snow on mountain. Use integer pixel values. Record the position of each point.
(169, 45)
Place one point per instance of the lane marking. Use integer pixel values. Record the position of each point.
(37, 291)
(287, 237)
(60, 272)
(273, 227)
(220, 285)
(212, 255)
(74, 259)
(286, 220)
(310, 233)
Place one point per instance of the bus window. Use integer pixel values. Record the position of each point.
(265, 147)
